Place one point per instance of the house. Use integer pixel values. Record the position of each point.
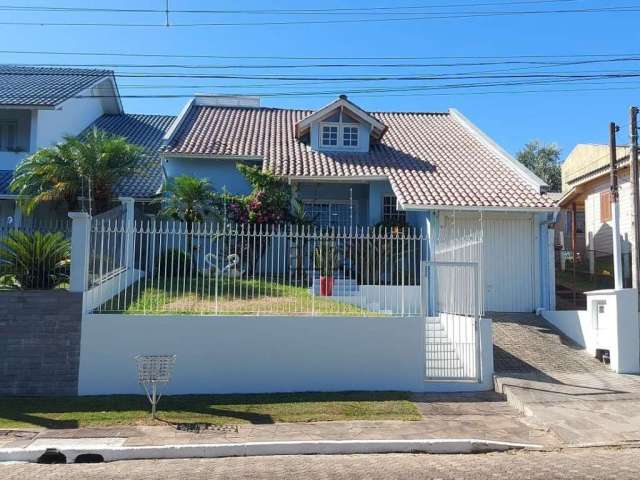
(38, 106)
(586, 201)
(351, 167)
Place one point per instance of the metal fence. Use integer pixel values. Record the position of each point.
(454, 311)
(256, 269)
(35, 254)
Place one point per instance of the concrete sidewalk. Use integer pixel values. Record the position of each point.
(461, 416)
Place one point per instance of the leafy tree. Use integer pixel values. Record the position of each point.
(91, 165)
(37, 260)
(544, 161)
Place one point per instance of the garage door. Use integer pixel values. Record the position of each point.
(508, 265)
(508, 261)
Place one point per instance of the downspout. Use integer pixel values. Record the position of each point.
(545, 273)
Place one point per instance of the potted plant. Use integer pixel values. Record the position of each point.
(326, 260)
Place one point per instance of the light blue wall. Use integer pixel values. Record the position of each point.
(364, 132)
(223, 174)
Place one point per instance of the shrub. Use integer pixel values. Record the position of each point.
(36, 260)
(175, 262)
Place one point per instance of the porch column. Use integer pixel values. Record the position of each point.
(432, 234)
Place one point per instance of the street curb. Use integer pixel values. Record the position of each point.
(219, 450)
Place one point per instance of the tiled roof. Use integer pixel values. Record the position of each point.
(430, 159)
(146, 131)
(5, 180)
(44, 86)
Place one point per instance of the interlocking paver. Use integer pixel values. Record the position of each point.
(560, 387)
(621, 464)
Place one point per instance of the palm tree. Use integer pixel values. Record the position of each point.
(91, 165)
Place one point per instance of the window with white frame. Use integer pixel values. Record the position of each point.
(350, 136)
(390, 213)
(8, 135)
(329, 135)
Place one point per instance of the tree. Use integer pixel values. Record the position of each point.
(188, 199)
(88, 166)
(544, 161)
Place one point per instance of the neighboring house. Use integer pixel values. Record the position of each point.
(146, 131)
(352, 168)
(39, 105)
(587, 195)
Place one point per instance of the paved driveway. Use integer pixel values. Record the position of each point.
(560, 387)
(572, 464)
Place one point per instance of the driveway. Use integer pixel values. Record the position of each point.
(560, 387)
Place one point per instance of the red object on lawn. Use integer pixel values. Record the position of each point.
(326, 286)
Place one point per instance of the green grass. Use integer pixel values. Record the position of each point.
(120, 410)
(180, 295)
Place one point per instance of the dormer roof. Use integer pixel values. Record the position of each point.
(378, 128)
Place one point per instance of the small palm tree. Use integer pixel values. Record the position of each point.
(91, 165)
(37, 260)
(188, 199)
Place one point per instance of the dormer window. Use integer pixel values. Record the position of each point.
(339, 130)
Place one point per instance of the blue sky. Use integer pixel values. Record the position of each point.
(565, 118)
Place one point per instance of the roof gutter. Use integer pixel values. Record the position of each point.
(409, 207)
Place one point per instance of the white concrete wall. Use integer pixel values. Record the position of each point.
(71, 118)
(244, 354)
(397, 299)
(105, 291)
(617, 329)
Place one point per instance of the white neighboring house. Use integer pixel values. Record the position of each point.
(38, 106)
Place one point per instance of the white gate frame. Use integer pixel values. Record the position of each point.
(427, 296)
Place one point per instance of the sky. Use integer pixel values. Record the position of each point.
(432, 39)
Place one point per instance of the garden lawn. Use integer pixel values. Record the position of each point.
(119, 410)
(224, 297)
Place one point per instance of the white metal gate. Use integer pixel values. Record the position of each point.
(452, 341)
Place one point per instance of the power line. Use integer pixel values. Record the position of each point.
(273, 57)
(432, 16)
(305, 11)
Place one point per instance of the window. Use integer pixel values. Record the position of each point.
(329, 135)
(605, 206)
(350, 136)
(329, 214)
(8, 135)
(390, 213)
(339, 130)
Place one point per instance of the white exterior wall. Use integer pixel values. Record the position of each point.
(249, 354)
(510, 268)
(598, 235)
(70, 118)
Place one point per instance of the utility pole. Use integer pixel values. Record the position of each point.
(615, 208)
(633, 126)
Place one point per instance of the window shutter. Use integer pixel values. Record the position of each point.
(605, 206)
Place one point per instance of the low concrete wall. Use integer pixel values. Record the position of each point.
(251, 354)
(255, 354)
(39, 342)
(609, 323)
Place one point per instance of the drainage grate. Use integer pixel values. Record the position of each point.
(202, 427)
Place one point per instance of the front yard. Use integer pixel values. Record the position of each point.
(116, 410)
(195, 295)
